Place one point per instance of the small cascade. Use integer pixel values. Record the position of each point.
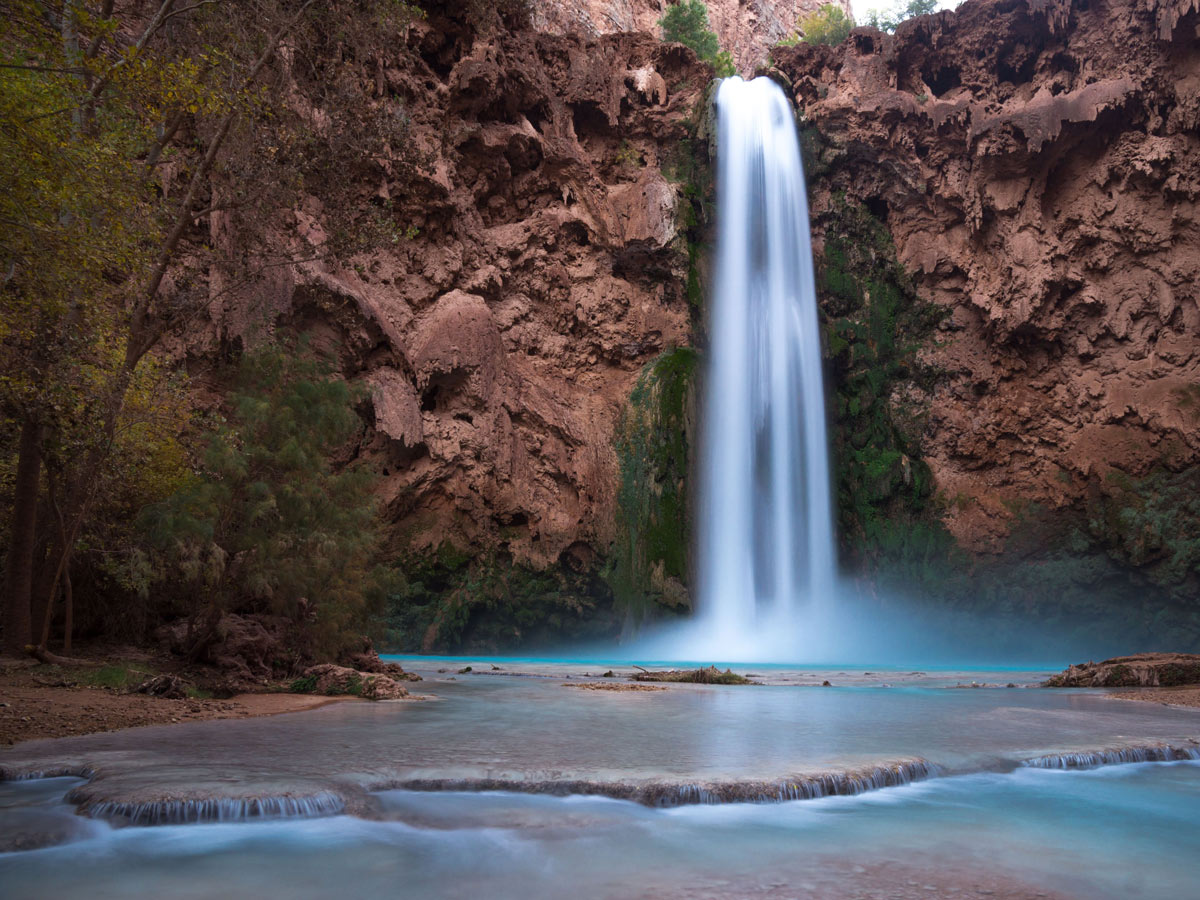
(807, 787)
(211, 809)
(838, 783)
(1114, 757)
(766, 545)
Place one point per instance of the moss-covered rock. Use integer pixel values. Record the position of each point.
(875, 325)
(451, 600)
(650, 560)
(710, 675)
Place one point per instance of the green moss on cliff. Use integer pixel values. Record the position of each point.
(649, 564)
(875, 326)
(1153, 524)
(687, 165)
(450, 600)
(1093, 574)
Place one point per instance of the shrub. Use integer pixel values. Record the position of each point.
(686, 23)
(268, 525)
(826, 25)
(888, 19)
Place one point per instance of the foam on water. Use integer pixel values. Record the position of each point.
(183, 811)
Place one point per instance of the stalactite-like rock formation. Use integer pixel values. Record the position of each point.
(1038, 165)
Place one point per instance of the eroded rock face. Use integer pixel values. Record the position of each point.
(1139, 670)
(592, 18)
(539, 265)
(1038, 165)
(334, 681)
(748, 29)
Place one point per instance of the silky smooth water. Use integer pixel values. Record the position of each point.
(766, 549)
(982, 822)
(530, 729)
(1121, 832)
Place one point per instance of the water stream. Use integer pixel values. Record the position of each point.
(766, 545)
(250, 797)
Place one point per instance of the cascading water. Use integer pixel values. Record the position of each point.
(766, 550)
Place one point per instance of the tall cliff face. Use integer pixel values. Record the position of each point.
(748, 29)
(1034, 166)
(1038, 166)
(537, 265)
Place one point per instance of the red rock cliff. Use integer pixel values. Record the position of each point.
(1038, 165)
(748, 29)
(543, 266)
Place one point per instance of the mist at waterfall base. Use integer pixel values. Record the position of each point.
(767, 586)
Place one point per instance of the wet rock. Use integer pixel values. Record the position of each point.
(334, 681)
(1139, 670)
(367, 660)
(170, 687)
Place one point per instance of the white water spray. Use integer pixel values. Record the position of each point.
(766, 551)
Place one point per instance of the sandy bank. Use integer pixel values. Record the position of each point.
(43, 702)
(1187, 695)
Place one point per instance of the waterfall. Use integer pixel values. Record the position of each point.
(766, 549)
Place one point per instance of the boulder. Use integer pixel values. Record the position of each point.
(335, 681)
(1139, 670)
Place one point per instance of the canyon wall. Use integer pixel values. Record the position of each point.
(1020, 177)
(1038, 167)
(537, 263)
(748, 29)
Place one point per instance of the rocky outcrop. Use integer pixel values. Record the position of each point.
(335, 681)
(536, 264)
(246, 651)
(1038, 166)
(1139, 670)
(592, 18)
(748, 29)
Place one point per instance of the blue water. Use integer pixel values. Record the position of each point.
(986, 824)
(1123, 831)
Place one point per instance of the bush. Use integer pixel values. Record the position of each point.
(686, 23)
(826, 25)
(268, 525)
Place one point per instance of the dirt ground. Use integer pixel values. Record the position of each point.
(1186, 695)
(42, 701)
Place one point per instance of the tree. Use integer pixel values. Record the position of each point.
(269, 525)
(105, 250)
(686, 22)
(888, 19)
(827, 24)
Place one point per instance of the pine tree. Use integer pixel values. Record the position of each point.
(686, 22)
(269, 525)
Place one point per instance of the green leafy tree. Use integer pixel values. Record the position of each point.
(686, 23)
(827, 24)
(269, 525)
(124, 128)
(888, 19)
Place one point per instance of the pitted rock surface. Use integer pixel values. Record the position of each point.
(1038, 164)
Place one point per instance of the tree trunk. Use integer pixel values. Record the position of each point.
(146, 330)
(18, 573)
(68, 610)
